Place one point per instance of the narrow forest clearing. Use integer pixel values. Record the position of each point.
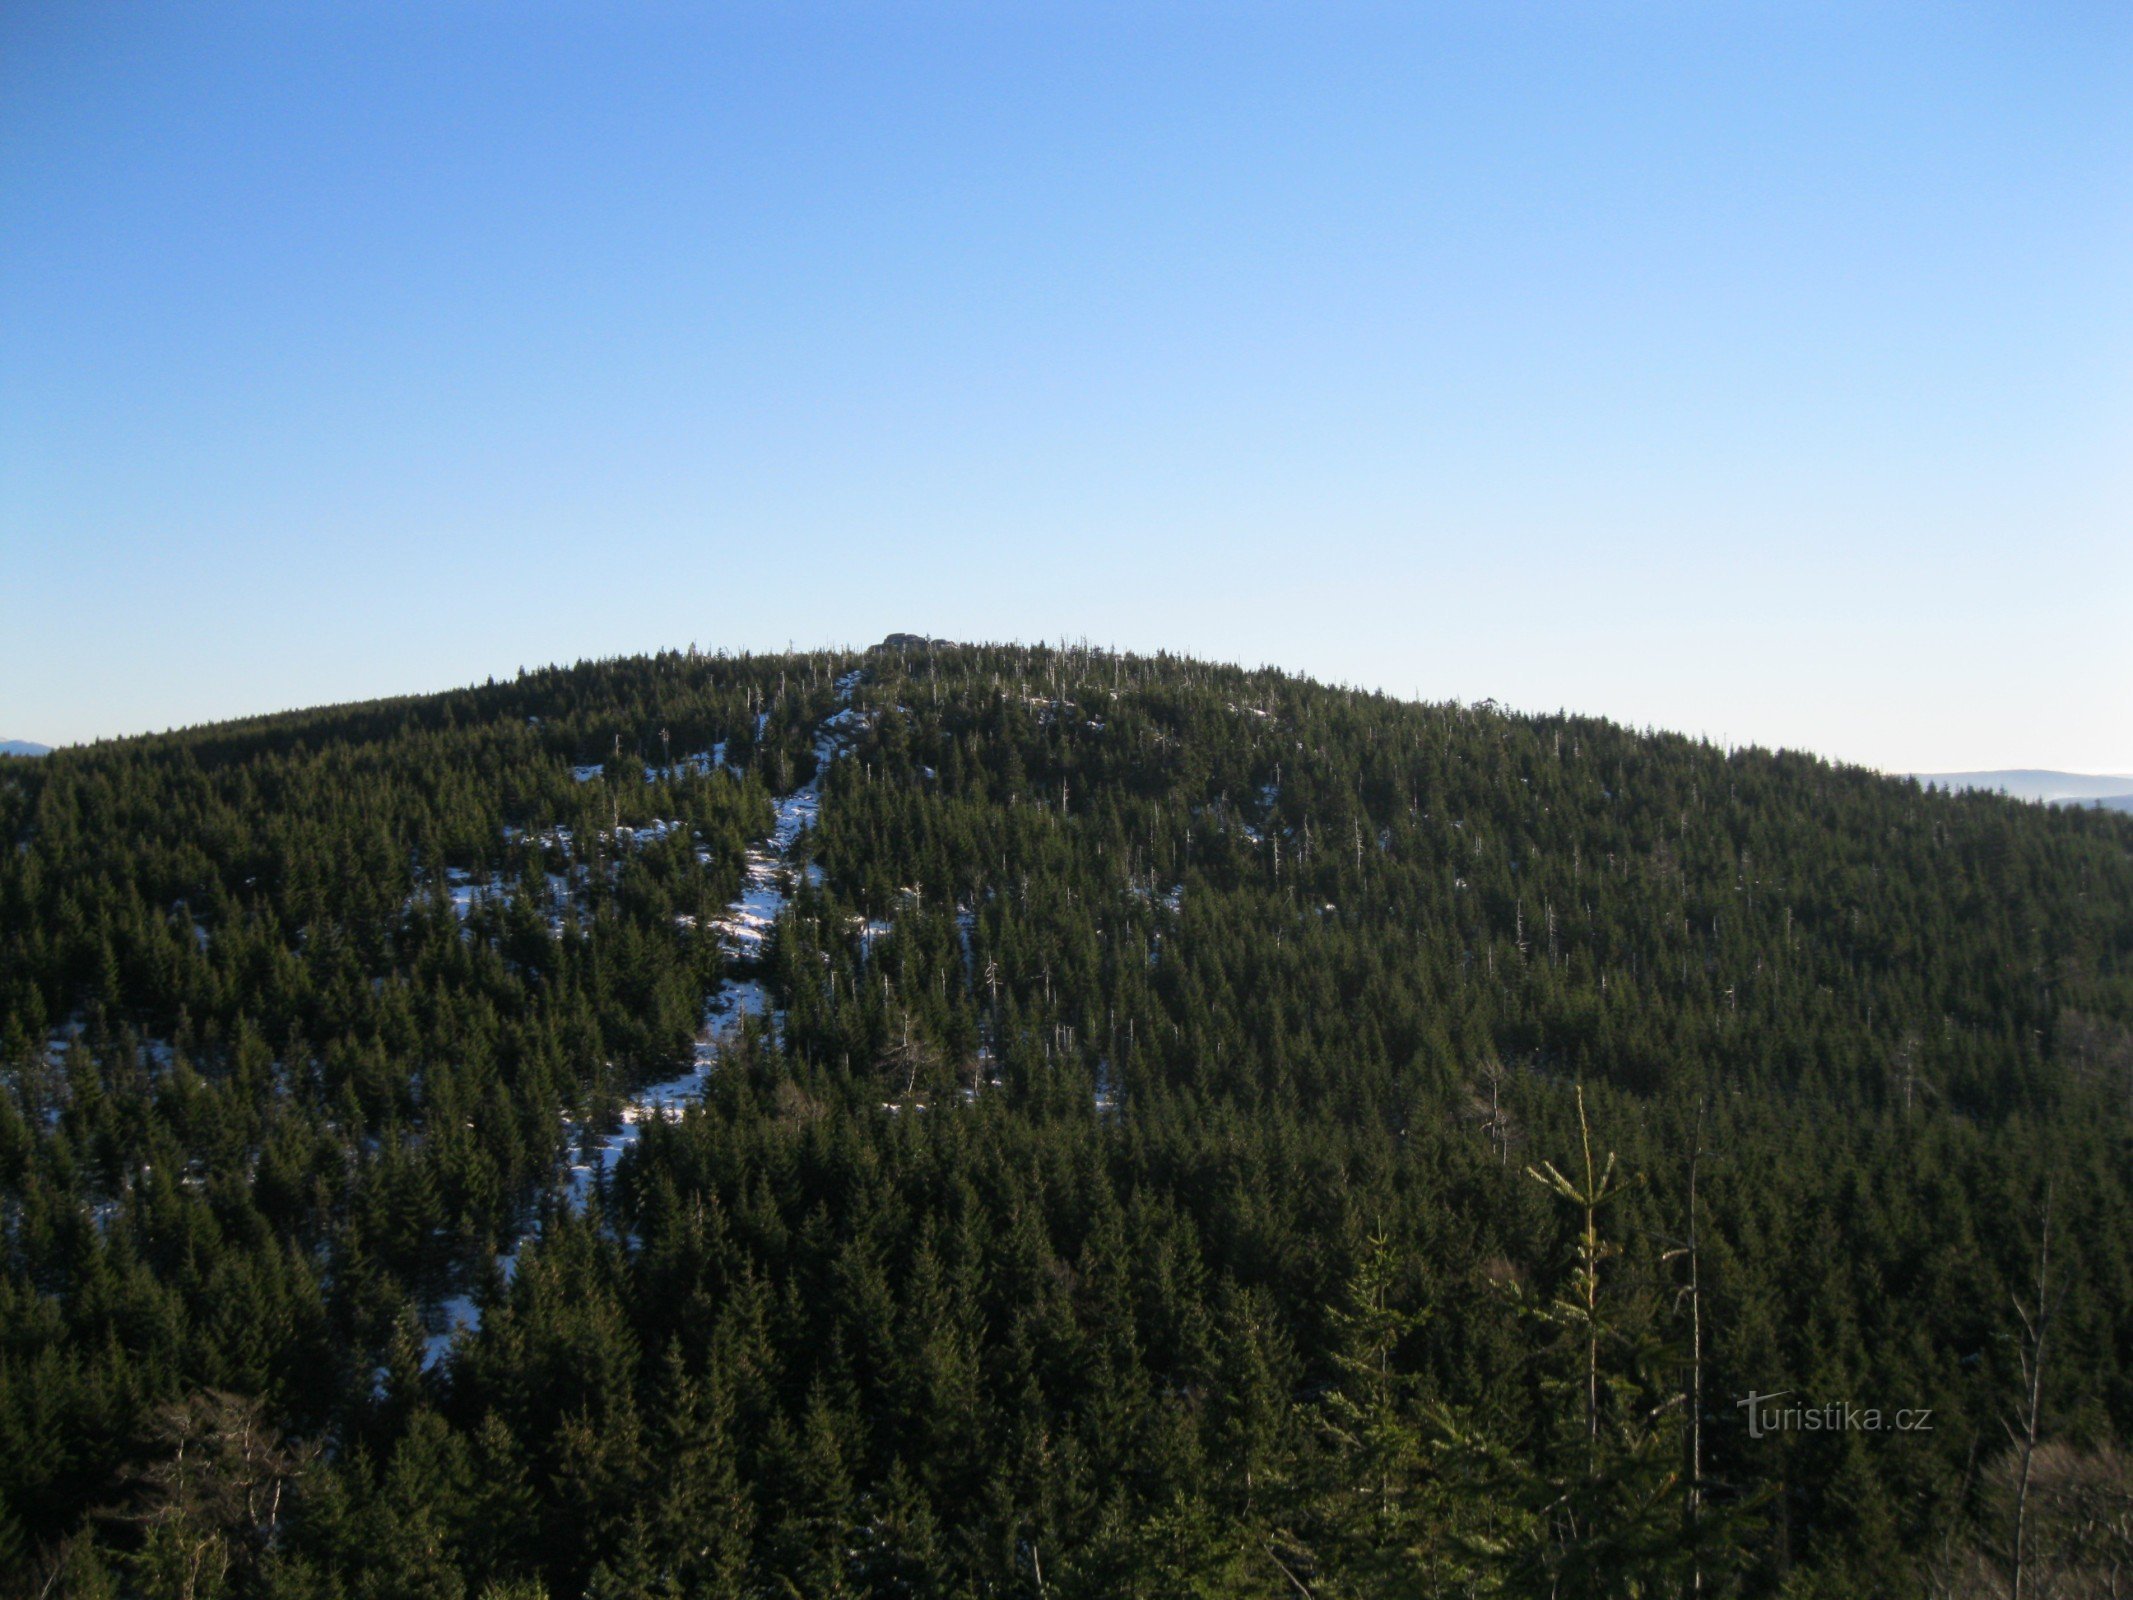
(765, 892)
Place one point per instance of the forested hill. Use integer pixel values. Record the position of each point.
(956, 1120)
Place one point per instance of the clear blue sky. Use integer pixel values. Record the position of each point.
(1760, 370)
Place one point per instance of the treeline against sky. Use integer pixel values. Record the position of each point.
(1178, 1162)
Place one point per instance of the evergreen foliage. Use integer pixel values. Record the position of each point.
(1133, 1192)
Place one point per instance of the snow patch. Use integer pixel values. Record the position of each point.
(700, 765)
(743, 929)
(459, 1313)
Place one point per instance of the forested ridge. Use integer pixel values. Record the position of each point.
(1211, 1133)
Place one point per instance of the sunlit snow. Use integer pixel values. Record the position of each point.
(744, 927)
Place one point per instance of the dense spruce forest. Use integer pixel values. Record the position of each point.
(1163, 1129)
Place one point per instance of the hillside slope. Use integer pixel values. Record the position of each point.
(961, 1119)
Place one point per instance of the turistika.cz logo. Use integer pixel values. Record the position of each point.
(1766, 1416)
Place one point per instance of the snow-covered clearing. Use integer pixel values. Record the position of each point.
(766, 888)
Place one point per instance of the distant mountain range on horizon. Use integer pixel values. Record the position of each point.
(2112, 790)
(23, 747)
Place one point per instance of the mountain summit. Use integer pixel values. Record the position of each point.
(1046, 1122)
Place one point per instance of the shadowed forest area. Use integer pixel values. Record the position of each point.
(1210, 1134)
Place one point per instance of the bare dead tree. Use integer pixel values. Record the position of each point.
(2036, 1320)
(1688, 1249)
(213, 1491)
(1497, 1123)
(1693, 1504)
